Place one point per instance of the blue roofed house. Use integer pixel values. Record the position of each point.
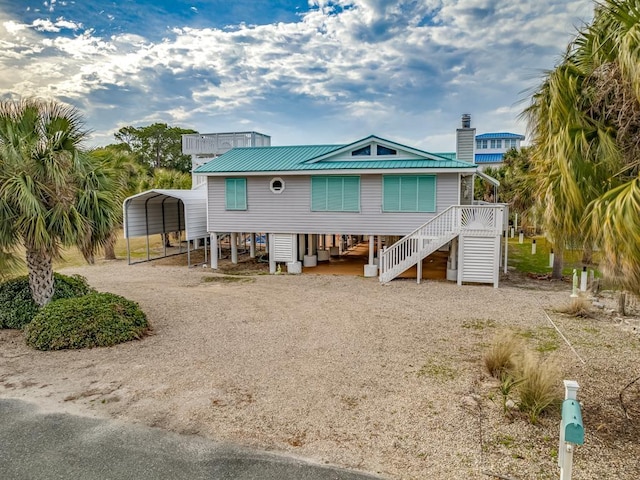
(491, 147)
(411, 201)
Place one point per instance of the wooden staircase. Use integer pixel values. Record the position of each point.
(476, 221)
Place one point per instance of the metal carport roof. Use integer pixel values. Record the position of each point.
(161, 211)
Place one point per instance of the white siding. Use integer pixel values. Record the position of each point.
(479, 259)
(465, 144)
(196, 220)
(290, 211)
(283, 248)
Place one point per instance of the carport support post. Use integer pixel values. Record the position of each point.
(252, 246)
(234, 248)
(214, 250)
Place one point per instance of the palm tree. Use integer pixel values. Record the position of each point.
(585, 119)
(51, 193)
(121, 166)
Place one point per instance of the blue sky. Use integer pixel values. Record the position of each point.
(314, 71)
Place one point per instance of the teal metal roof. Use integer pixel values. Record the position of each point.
(296, 158)
(447, 155)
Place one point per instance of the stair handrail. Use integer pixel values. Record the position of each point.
(451, 217)
(433, 222)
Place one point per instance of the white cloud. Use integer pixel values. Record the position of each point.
(13, 27)
(46, 25)
(407, 67)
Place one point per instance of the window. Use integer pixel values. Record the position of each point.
(410, 193)
(480, 144)
(335, 194)
(496, 143)
(382, 150)
(511, 143)
(276, 185)
(364, 151)
(236, 193)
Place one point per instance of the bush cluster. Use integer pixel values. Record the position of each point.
(93, 320)
(17, 308)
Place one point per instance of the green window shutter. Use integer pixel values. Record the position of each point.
(236, 193)
(230, 193)
(318, 194)
(391, 194)
(335, 194)
(351, 194)
(427, 194)
(409, 193)
(241, 194)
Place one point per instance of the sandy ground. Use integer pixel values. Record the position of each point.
(342, 370)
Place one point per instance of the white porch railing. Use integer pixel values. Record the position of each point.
(479, 220)
(219, 143)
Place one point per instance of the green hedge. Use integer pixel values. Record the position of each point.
(94, 320)
(17, 308)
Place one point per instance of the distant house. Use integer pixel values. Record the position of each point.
(204, 147)
(491, 147)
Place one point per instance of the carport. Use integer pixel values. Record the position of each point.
(162, 211)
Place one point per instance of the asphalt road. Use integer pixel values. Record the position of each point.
(35, 445)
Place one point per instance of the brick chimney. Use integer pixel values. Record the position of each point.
(466, 141)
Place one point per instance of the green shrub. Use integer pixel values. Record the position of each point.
(17, 308)
(94, 320)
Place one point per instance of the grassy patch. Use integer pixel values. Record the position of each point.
(478, 324)
(522, 260)
(437, 371)
(546, 339)
(505, 440)
(227, 279)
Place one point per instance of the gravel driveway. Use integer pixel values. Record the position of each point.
(388, 380)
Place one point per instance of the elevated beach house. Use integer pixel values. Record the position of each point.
(408, 203)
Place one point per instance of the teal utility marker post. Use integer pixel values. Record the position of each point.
(574, 289)
(571, 429)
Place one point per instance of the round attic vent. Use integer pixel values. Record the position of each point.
(277, 185)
